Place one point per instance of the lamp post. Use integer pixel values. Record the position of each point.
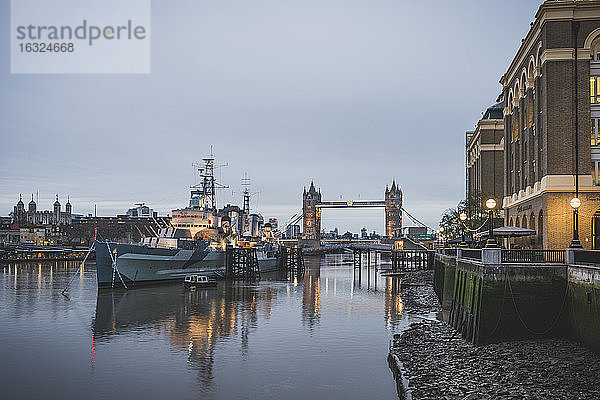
(442, 237)
(490, 205)
(463, 218)
(575, 243)
(575, 202)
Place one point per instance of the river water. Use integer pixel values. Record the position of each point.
(324, 336)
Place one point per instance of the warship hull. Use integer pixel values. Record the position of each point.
(143, 265)
(139, 264)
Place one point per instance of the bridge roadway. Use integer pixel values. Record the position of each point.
(350, 203)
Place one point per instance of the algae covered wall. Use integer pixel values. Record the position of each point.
(522, 301)
(492, 303)
(583, 305)
(489, 303)
(443, 279)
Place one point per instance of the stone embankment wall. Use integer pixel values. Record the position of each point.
(582, 311)
(489, 303)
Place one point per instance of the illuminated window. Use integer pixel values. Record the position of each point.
(594, 89)
(530, 111)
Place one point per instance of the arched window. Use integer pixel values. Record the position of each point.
(596, 49)
(595, 72)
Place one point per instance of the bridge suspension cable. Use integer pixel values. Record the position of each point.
(293, 220)
(416, 221)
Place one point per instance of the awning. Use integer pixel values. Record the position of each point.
(507, 232)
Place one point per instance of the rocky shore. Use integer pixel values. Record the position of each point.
(436, 363)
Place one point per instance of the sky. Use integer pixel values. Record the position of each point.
(351, 94)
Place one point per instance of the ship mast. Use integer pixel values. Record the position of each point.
(203, 194)
(246, 206)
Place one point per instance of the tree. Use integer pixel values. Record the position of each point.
(477, 218)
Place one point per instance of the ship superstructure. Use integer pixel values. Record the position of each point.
(195, 243)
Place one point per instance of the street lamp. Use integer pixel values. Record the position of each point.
(463, 218)
(442, 237)
(490, 205)
(575, 243)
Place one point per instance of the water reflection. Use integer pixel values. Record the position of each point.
(292, 338)
(311, 294)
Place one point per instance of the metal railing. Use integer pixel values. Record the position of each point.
(533, 256)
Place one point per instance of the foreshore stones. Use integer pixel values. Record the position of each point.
(439, 364)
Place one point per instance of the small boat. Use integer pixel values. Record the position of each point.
(198, 281)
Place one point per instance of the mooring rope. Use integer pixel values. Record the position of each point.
(114, 266)
(79, 269)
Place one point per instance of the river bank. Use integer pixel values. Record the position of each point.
(436, 363)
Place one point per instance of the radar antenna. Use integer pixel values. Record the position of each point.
(203, 193)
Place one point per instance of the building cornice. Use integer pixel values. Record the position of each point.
(557, 10)
(550, 184)
(486, 125)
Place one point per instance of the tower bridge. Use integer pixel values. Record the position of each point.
(313, 204)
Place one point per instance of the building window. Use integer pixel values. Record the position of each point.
(595, 172)
(594, 89)
(530, 112)
(515, 134)
(595, 140)
(596, 48)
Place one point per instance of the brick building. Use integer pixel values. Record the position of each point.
(485, 156)
(540, 126)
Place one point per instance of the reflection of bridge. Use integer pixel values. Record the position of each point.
(312, 206)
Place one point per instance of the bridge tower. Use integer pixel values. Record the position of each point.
(312, 214)
(393, 210)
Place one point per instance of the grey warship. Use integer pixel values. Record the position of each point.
(195, 243)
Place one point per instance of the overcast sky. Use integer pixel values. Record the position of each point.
(349, 93)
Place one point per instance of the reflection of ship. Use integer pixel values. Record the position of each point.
(194, 322)
(195, 243)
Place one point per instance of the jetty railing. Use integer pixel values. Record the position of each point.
(525, 256)
(533, 256)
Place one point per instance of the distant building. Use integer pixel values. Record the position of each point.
(363, 233)
(141, 211)
(33, 235)
(274, 223)
(293, 232)
(485, 156)
(7, 233)
(33, 216)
